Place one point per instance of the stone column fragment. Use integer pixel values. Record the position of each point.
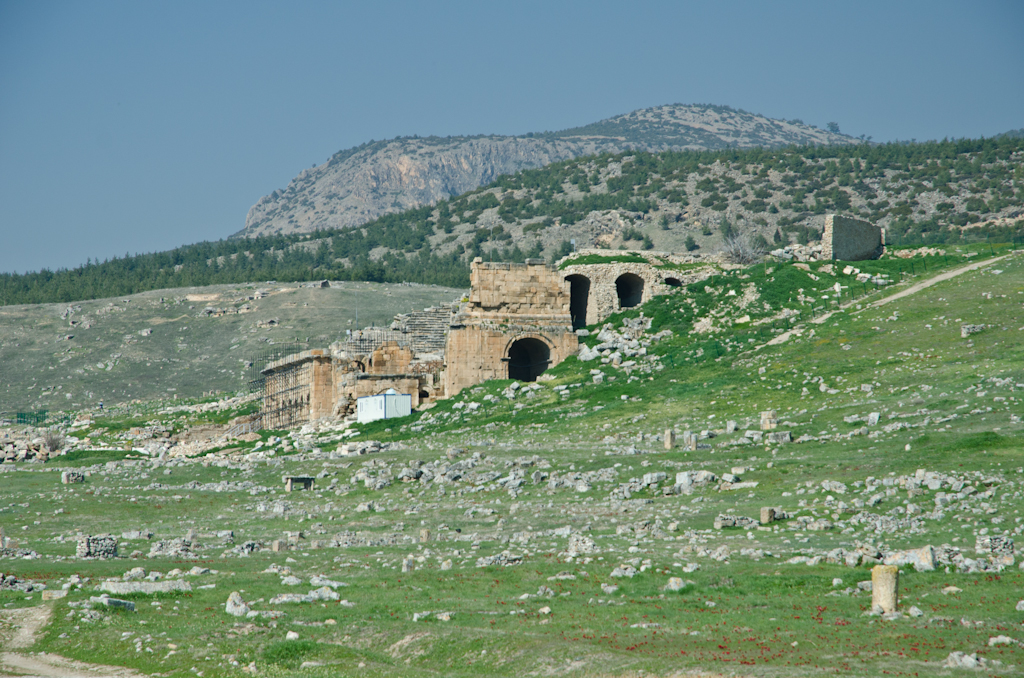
(885, 584)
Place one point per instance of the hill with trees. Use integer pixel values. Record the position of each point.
(928, 193)
(384, 177)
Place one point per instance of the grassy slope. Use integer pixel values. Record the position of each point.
(186, 353)
(768, 618)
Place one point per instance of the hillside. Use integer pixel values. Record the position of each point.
(546, 529)
(183, 342)
(384, 177)
(927, 193)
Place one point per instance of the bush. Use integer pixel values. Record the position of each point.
(289, 653)
(691, 244)
(54, 440)
(738, 250)
(630, 233)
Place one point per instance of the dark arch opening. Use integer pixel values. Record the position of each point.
(673, 282)
(579, 295)
(527, 359)
(630, 288)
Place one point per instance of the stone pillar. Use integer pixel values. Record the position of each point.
(424, 535)
(885, 584)
(408, 565)
(767, 515)
(670, 439)
(689, 441)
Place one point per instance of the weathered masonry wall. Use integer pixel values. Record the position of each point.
(515, 325)
(849, 239)
(389, 366)
(599, 290)
(297, 389)
(612, 287)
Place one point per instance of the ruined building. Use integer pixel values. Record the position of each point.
(319, 383)
(519, 320)
(515, 325)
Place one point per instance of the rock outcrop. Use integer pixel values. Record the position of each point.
(360, 184)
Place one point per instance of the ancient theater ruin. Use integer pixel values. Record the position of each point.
(515, 325)
(517, 321)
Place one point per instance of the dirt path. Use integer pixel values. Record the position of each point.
(27, 623)
(913, 289)
(917, 287)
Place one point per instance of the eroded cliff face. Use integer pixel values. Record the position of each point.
(358, 185)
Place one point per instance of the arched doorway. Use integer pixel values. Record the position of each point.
(630, 289)
(579, 295)
(527, 359)
(673, 282)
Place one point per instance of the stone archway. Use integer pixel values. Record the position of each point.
(629, 287)
(527, 359)
(673, 282)
(579, 297)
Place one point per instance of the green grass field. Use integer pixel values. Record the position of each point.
(760, 601)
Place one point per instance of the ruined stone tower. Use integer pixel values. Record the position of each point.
(515, 325)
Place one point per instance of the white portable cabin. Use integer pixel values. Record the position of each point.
(384, 406)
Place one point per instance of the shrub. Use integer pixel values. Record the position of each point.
(54, 440)
(289, 653)
(738, 250)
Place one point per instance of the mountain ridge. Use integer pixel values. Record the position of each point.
(359, 184)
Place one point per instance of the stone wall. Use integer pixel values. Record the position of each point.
(100, 546)
(849, 239)
(515, 325)
(388, 366)
(605, 296)
(298, 388)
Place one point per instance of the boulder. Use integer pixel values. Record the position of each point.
(922, 559)
(235, 606)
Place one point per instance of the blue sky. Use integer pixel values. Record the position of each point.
(140, 126)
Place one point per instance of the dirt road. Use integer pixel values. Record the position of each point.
(19, 630)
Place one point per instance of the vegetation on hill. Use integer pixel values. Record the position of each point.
(922, 193)
(360, 184)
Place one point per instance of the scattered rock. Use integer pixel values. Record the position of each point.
(236, 606)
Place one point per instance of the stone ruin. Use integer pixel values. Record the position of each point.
(598, 290)
(844, 239)
(100, 546)
(849, 239)
(515, 325)
(519, 320)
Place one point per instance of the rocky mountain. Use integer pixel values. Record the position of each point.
(382, 177)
